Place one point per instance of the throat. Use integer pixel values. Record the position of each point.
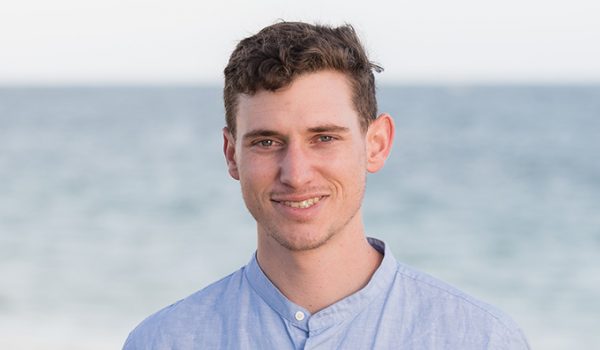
(319, 278)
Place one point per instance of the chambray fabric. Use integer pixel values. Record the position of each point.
(400, 308)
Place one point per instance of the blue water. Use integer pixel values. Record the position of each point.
(115, 201)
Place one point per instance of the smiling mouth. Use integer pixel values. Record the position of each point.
(307, 203)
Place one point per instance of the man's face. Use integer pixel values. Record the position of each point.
(301, 158)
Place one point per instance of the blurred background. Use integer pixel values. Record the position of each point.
(115, 200)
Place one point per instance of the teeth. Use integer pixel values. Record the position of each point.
(302, 204)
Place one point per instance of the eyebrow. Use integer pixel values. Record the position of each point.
(260, 133)
(328, 128)
(316, 129)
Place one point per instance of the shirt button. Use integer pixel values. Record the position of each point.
(299, 315)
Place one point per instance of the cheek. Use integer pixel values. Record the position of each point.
(352, 161)
(347, 173)
(255, 174)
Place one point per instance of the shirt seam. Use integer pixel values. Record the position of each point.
(254, 289)
(459, 295)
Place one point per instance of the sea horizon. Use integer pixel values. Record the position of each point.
(115, 202)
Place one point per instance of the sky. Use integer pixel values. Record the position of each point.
(189, 41)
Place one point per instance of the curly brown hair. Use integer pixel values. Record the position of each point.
(275, 56)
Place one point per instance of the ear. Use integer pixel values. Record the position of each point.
(229, 151)
(380, 137)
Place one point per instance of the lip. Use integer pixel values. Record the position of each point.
(297, 198)
(299, 213)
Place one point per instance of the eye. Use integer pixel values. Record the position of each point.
(264, 143)
(325, 138)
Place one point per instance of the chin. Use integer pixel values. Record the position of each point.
(300, 242)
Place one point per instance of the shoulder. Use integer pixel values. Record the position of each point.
(437, 292)
(451, 311)
(179, 320)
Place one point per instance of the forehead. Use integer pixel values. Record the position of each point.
(323, 97)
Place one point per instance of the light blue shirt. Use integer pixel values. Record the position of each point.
(400, 308)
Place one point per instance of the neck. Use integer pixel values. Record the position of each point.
(317, 278)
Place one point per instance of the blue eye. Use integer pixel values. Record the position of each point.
(265, 143)
(325, 138)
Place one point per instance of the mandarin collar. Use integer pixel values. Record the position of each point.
(335, 314)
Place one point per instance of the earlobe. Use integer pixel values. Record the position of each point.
(380, 137)
(229, 151)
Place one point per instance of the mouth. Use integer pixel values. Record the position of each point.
(307, 203)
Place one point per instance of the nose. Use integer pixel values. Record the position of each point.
(295, 168)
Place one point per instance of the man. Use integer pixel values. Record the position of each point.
(302, 132)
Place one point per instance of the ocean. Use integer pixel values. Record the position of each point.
(116, 202)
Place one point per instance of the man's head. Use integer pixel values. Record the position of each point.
(303, 133)
(280, 53)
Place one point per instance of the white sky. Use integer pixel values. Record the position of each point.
(189, 41)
